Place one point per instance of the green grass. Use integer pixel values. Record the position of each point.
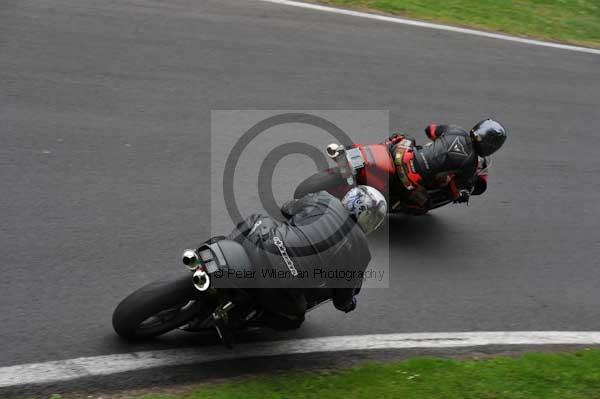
(536, 376)
(572, 21)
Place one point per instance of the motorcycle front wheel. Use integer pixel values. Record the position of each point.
(159, 307)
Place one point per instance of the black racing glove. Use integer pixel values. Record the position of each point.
(351, 306)
(463, 196)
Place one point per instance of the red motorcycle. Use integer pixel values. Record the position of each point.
(373, 165)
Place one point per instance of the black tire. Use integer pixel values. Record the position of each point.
(324, 180)
(167, 301)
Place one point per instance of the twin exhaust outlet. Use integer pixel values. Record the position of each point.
(200, 278)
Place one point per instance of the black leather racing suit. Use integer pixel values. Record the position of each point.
(318, 233)
(449, 160)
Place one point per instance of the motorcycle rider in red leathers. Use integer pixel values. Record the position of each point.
(450, 161)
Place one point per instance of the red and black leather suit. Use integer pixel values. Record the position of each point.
(448, 161)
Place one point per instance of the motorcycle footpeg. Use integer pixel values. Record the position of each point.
(221, 313)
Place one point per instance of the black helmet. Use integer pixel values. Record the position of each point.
(488, 136)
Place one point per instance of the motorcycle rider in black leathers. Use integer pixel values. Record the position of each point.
(450, 161)
(318, 232)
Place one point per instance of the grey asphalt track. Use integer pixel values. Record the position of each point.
(104, 124)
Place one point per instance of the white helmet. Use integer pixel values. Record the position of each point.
(368, 206)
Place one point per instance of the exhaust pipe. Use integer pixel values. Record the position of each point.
(201, 280)
(190, 259)
(334, 150)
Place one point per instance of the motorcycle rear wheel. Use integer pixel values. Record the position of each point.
(159, 307)
(327, 180)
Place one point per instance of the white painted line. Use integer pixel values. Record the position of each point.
(65, 370)
(430, 25)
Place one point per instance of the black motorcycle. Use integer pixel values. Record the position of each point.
(201, 302)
